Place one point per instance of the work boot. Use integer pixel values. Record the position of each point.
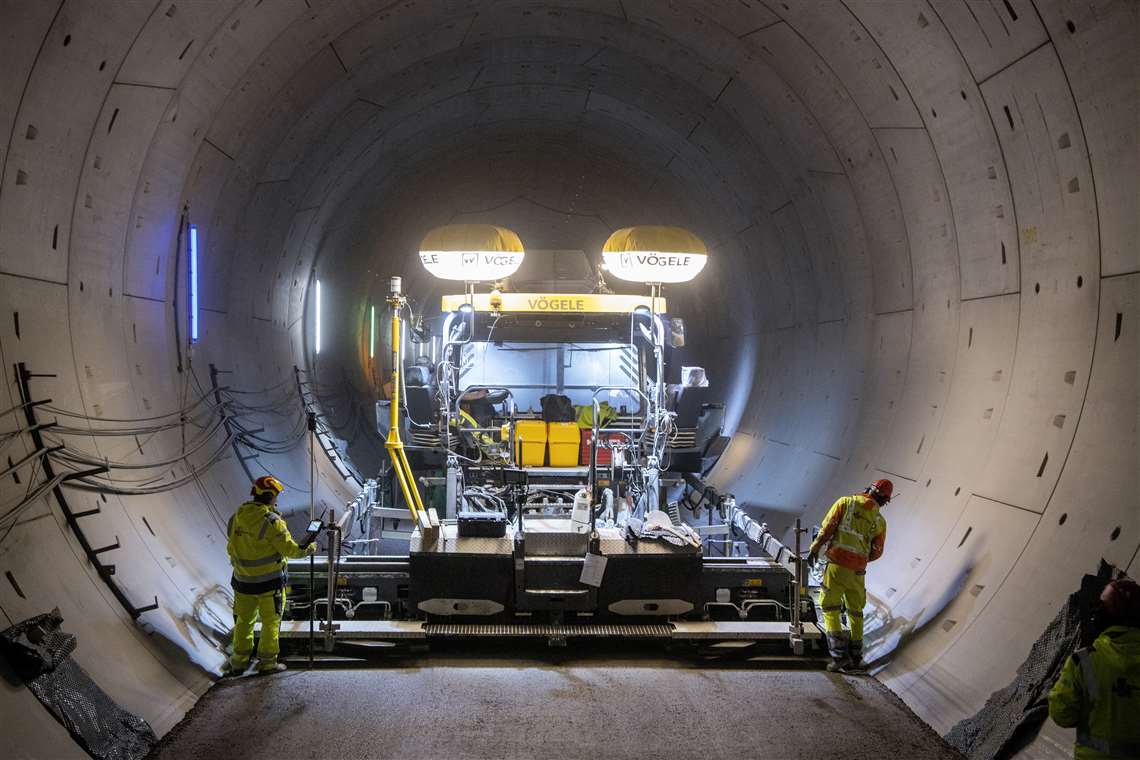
(838, 646)
(229, 670)
(271, 667)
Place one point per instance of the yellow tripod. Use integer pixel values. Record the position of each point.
(424, 518)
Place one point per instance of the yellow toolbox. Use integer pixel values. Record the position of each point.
(530, 443)
(563, 439)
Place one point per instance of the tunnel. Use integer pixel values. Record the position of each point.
(922, 225)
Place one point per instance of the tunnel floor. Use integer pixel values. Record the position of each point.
(512, 702)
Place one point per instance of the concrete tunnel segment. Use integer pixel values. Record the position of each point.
(923, 215)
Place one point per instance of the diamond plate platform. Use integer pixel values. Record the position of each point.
(728, 631)
(379, 630)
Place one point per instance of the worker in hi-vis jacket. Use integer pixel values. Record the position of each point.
(259, 542)
(1098, 692)
(853, 533)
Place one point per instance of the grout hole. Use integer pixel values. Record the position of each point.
(1009, 8)
(1074, 185)
(15, 586)
(1070, 377)
(1071, 26)
(21, 177)
(102, 65)
(1080, 281)
(1044, 461)
(962, 93)
(1119, 324)
(55, 237)
(1064, 516)
(958, 490)
(933, 113)
(171, 11)
(147, 524)
(928, 481)
(111, 123)
(1115, 533)
(16, 324)
(970, 340)
(1008, 116)
(966, 535)
(1003, 253)
(67, 40)
(1037, 288)
(894, 94)
(922, 22)
(1063, 141)
(81, 286)
(185, 50)
(31, 132)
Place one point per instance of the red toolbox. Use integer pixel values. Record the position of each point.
(605, 454)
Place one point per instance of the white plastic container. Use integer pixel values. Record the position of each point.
(580, 516)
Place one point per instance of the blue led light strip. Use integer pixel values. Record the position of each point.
(193, 284)
(318, 317)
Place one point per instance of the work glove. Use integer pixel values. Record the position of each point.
(311, 548)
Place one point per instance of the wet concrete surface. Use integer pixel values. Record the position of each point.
(524, 702)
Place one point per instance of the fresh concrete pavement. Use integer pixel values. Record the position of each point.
(554, 704)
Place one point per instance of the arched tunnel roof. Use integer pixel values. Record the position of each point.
(922, 224)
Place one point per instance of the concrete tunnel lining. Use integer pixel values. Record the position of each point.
(924, 225)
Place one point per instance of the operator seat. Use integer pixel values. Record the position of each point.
(690, 403)
(420, 390)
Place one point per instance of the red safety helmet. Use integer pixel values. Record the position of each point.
(1121, 600)
(267, 485)
(881, 491)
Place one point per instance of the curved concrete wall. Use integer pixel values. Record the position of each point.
(923, 215)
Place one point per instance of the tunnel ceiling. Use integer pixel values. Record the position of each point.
(922, 219)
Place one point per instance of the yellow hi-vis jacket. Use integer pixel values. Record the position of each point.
(856, 531)
(259, 542)
(1099, 693)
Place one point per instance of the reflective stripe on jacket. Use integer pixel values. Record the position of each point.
(855, 532)
(1099, 694)
(259, 542)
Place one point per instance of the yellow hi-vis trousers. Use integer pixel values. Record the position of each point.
(843, 587)
(247, 608)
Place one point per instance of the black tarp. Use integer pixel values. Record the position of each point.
(39, 652)
(1013, 715)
